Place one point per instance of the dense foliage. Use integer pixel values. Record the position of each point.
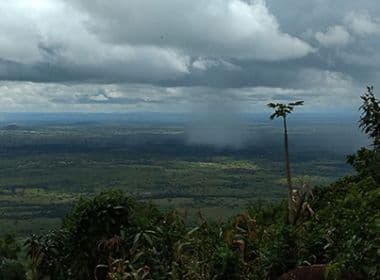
(10, 266)
(115, 238)
(370, 118)
(367, 161)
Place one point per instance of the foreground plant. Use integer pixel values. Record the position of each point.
(10, 266)
(370, 117)
(367, 160)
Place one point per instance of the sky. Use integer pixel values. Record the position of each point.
(181, 55)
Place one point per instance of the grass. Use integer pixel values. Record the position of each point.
(34, 198)
(43, 170)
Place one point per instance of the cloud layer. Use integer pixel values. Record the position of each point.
(230, 29)
(67, 55)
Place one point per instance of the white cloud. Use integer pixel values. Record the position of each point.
(222, 28)
(334, 36)
(56, 97)
(188, 45)
(99, 97)
(141, 40)
(18, 36)
(203, 64)
(321, 89)
(362, 23)
(54, 32)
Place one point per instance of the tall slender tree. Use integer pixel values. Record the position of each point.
(283, 110)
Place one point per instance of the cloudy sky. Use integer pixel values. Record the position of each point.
(177, 55)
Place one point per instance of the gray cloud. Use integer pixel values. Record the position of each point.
(48, 40)
(322, 91)
(138, 41)
(334, 36)
(231, 28)
(362, 23)
(73, 55)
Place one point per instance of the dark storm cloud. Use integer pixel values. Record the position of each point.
(186, 51)
(296, 17)
(140, 41)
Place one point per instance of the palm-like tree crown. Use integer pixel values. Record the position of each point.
(282, 110)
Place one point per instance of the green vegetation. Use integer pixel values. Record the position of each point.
(11, 268)
(117, 238)
(40, 184)
(335, 234)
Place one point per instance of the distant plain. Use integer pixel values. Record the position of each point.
(48, 161)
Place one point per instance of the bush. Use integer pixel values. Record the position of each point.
(11, 270)
(344, 232)
(10, 267)
(104, 231)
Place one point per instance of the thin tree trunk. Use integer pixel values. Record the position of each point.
(288, 175)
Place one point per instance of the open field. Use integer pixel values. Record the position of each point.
(45, 167)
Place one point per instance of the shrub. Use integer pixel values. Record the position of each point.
(10, 267)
